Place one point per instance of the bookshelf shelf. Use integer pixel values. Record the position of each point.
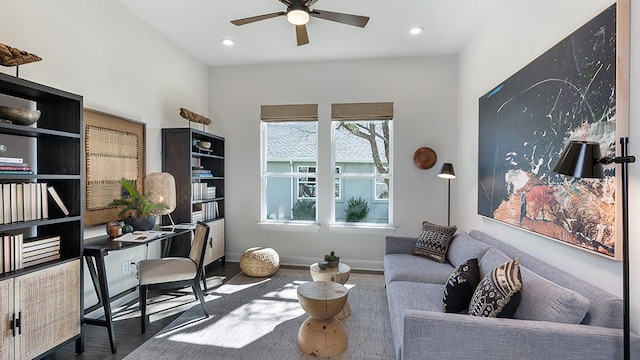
(180, 154)
(55, 155)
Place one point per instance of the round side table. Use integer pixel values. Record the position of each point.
(321, 334)
(338, 274)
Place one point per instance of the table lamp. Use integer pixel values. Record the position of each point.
(161, 187)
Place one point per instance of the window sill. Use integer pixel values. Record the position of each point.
(310, 226)
(371, 229)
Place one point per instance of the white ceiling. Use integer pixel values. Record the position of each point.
(197, 26)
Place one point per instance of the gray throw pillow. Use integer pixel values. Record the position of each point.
(433, 241)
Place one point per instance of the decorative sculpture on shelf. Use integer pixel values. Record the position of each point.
(191, 116)
(10, 56)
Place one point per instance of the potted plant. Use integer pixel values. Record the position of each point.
(332, 259)
(136, 209)
(357, 209)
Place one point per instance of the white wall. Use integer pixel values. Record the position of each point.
(517, 34)
(424, 94)
(119, 64)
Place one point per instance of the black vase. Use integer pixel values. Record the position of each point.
(141, 224)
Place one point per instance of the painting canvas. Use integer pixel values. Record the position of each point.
(568, 93)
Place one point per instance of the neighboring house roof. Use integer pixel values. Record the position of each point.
(298, 141)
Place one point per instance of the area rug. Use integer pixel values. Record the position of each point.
(259, 318)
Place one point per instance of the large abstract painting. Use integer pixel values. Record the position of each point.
(568, 93)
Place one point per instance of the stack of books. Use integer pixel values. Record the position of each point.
(16, 166)
(201, 191)
(201, 173)
(211, 192)
(40, 249)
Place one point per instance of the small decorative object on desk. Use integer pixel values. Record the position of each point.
(331, 259)
(323, 264)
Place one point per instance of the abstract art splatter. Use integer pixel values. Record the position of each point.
(569, 92)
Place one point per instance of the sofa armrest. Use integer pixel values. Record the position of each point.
(398, 245)
(457, 336)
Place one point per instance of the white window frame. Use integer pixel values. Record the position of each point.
(282, 224)
(349, 227)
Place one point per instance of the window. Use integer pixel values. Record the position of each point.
(361, 144)
(289, 137)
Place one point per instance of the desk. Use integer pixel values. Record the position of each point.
(95, 250)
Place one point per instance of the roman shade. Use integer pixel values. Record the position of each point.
(362, 111)
(296, 112)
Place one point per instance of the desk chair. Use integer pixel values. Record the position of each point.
(174, 272)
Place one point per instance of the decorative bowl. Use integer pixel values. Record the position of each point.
(19, 116)
(323, 265)
(205, 144)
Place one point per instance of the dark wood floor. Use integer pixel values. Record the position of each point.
(127, 330)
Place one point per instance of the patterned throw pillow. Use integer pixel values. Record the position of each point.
(460, 286)
(433, 241)
(498, 294)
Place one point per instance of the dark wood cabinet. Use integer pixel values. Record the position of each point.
(196, 161)
(46, 298)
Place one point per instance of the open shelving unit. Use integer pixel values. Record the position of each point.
(41, 305)
(182, 151)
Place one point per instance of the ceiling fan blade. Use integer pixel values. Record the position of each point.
(256, 18)
(301, 35)
(311, 2)
(355, 20)
(286, 2)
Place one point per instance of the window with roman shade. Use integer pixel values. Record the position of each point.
(362, 136)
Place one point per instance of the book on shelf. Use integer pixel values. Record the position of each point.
(22, 164)
(45, 200)
(12, 257)
(15, 168)
(6, 203)
(40, 242)
(201, 171)
(14, 201)
(41, 260)
(11, 160)
(58, 200)
(20, 201)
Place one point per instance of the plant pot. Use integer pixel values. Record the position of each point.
(333, 264)
(141, 224)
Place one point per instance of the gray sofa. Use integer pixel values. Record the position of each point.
(559, 317)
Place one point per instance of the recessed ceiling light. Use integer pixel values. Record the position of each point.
(416, 30)
(227, 42)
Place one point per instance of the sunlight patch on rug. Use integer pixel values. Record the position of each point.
(239, 328)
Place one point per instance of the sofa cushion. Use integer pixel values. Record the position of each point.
(490, 260)
(433, 241)
(498, 294)
(463, 247)
(406, 267)
(406, 295)
(544, 300)
(460, 286)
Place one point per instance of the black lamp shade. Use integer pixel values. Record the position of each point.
(447, 172)
(580, 159)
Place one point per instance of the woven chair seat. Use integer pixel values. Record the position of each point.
(259, 262)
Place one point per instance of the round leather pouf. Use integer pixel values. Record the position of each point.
(259, 262)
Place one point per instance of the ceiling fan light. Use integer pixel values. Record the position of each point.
(416, 30)
(298, 17)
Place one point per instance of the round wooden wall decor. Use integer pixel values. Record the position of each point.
(424, 158)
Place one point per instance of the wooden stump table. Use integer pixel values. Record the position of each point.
(321, 334)
(338, 274)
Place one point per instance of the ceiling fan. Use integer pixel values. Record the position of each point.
(298, 13)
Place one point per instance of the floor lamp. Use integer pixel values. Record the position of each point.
(447, 172)
(582, 159)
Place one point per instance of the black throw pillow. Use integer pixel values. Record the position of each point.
(460, 286)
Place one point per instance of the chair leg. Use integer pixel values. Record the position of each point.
(142, 300)
(199, 295)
